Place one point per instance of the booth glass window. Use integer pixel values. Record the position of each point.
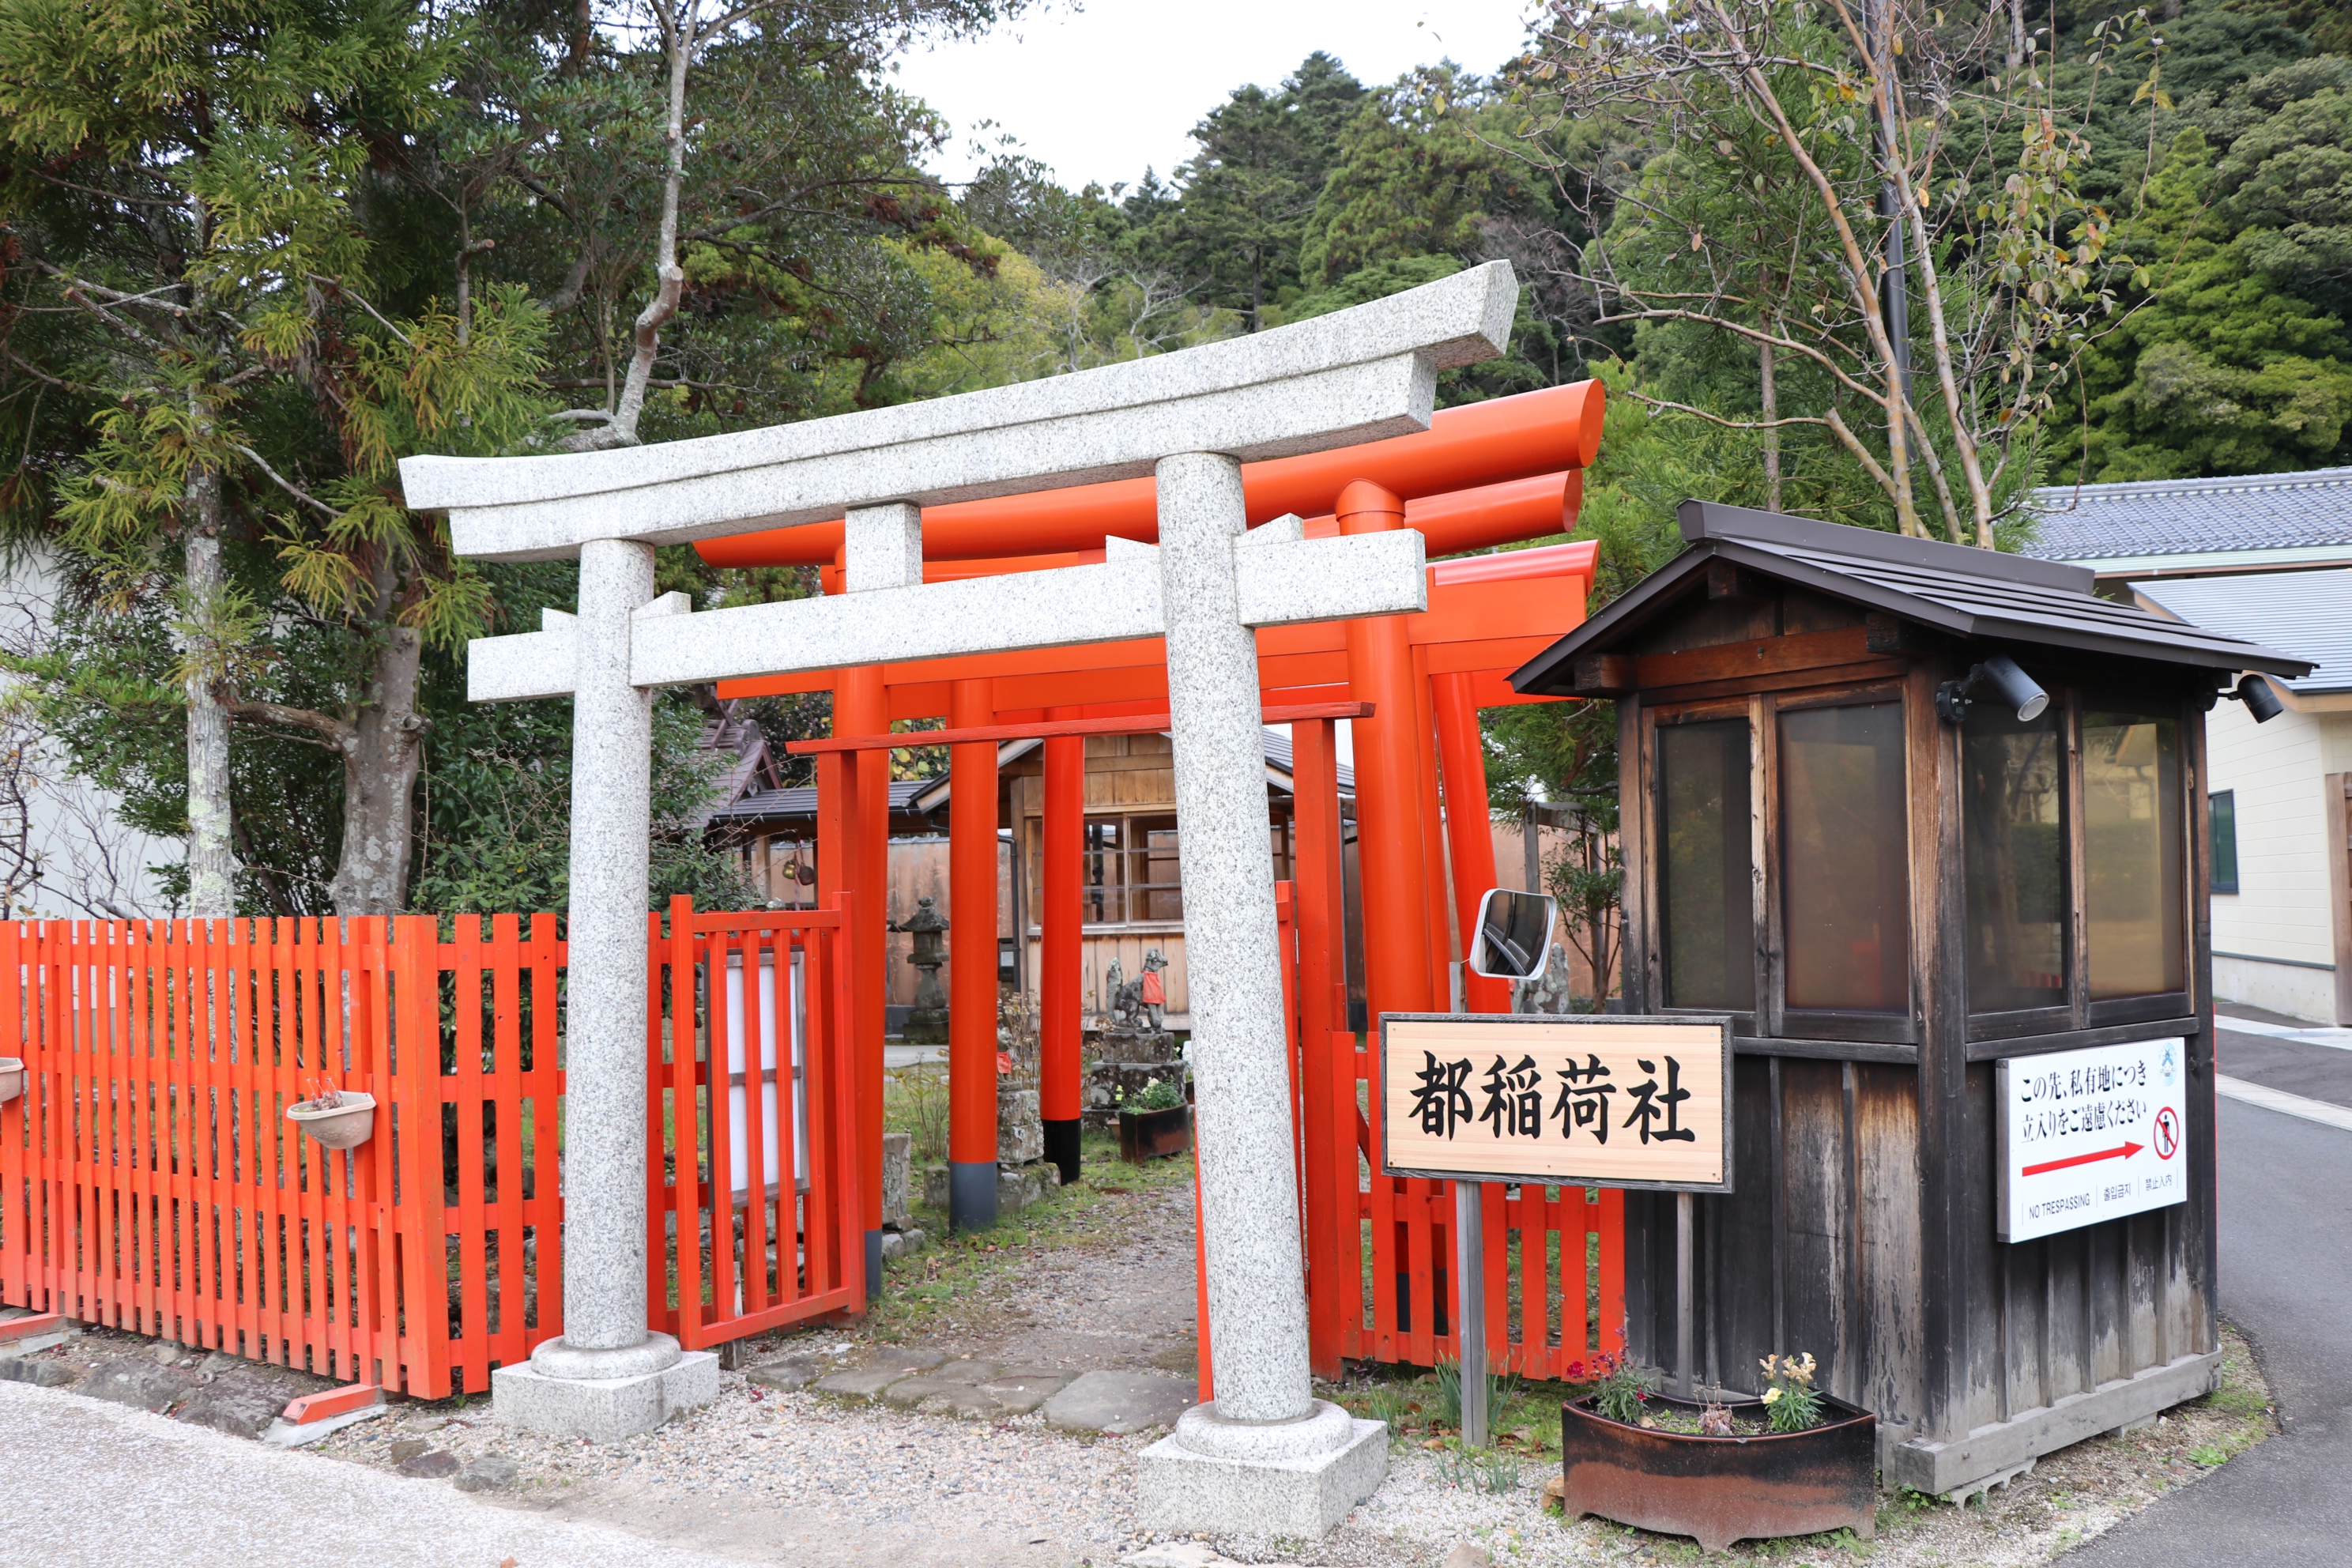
(2132, 903)
(2223, 815)
(1844, 859)
(2014, 834)
(1706, 867)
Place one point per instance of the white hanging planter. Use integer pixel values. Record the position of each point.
(345, 1126)
(12, 1077)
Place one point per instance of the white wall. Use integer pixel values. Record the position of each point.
(2281, 909)
(91, 865)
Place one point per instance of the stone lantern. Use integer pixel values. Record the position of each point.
(926, 1022)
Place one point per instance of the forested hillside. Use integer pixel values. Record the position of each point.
(253, 251)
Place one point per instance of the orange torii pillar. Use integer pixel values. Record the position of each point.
(857, 861)
(1470, 837)
(972, 962)
(1059, 1093)
(1390, 840)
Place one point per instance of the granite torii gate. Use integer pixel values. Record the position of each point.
(1265, 1454)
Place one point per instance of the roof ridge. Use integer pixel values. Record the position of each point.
(2232, 484)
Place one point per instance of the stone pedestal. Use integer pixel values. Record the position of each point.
(557, 1393)
(898, 1180)
(1286, 1477)
(1020, 1132)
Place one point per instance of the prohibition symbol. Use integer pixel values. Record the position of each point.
(2167, 1133)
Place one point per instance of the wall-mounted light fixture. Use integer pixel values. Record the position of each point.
(2260, 699)
(2015, 688)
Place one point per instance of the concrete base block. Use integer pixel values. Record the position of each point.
(284, 1434)
(601, 1409)
(1178, 1489)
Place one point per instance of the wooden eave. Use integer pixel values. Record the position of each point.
(1905, 583)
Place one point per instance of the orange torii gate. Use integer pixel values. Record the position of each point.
(1410, 684)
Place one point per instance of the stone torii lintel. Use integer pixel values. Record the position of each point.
(1277, 582)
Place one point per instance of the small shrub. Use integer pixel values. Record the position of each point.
(1160, 1094)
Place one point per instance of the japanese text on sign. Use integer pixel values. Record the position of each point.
(1607, 1099)
(2090, 1135)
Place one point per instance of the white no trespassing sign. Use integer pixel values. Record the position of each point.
(2090, 1135)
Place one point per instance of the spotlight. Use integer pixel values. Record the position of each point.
(2260, 699)
(2016, 690)
(2016, 687)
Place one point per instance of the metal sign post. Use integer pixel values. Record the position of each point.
(1638, 1102)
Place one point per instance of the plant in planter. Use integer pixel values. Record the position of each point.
(336, 1118)
(1794, 1461)
(1153, 1121)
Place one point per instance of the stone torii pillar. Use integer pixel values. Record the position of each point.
(1265, 1455)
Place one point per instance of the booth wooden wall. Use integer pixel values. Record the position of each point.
(1861, 1227)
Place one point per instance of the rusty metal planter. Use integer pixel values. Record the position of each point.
(1151, 1134)
(1722, 1490)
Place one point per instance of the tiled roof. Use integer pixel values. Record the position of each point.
(2307, 614)
(800, 801)
(2182, 517)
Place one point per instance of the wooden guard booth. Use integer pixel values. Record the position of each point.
(1889, 902)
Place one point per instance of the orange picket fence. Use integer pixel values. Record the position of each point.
(149, 1180)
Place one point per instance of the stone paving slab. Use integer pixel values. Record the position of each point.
(789, 1375)
(966, 1371)
(1120, 1403)
(861, 1382)
(910, 1392)
(1019, 1393)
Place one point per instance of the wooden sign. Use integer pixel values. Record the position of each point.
(1597, 1100)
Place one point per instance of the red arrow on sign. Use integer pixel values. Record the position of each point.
(2126, 1153)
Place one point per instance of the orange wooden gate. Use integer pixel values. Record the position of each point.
(750, 1126)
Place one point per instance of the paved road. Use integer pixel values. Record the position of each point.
(2286, 1280)
(99, 1486)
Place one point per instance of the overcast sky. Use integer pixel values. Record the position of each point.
(1099, 94)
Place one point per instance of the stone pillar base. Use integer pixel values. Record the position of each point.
(601, 1409)
(1259, 1481)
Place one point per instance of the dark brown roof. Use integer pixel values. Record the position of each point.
(1950, 588)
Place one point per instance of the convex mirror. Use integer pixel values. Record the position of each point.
(1514, 935)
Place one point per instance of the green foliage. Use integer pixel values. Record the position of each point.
(1411, 176)
(1160, 1094)
(2236, 357)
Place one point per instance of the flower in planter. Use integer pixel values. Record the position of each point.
(1621, 1391)
(324, 1096)
(1792, 1403)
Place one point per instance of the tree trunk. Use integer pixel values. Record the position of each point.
(383, 753)
(1771, 432)
(212, 860)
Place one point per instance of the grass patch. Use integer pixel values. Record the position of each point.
(1104, 1208)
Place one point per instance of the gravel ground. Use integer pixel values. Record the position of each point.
(1104, 1280)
